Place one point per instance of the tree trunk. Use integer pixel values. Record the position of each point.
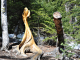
(5, 38)
(67, 8)
(15, 32)
(38, 33)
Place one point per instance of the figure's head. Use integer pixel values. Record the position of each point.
(26, 13)
(57, 15)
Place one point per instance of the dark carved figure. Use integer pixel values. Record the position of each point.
(57, 20)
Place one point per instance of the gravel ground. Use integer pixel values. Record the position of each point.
(49, 53)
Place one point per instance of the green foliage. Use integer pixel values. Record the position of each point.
(68, 49)
(50, 38)
(42, 14)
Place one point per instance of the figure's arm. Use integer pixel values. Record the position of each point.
(23, 39)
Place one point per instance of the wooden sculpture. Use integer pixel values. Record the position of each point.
(57, 20)
(28, 42)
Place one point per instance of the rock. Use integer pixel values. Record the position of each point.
(75, 56)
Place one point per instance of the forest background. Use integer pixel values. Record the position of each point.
(41, 21)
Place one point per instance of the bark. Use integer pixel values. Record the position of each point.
(5, 38)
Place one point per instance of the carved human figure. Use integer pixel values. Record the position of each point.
(28, 42)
